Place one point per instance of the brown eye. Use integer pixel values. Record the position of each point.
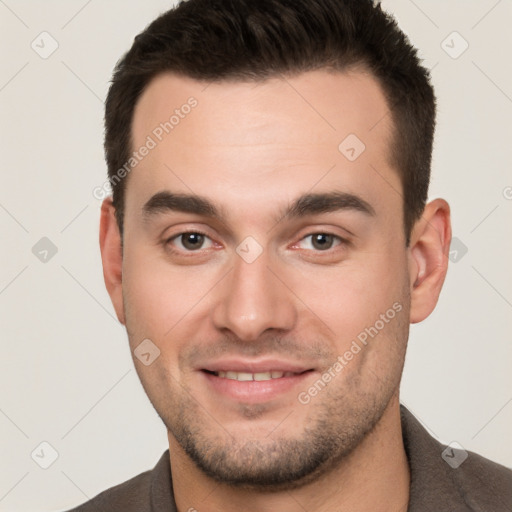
(322, 247)
(322, 241)
(190, 241)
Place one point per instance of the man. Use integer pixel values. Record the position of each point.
(267, 245)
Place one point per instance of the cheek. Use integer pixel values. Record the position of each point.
(352, 296)
(162, 299)
(148, 291)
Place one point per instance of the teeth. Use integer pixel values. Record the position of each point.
(267, 375)
(244, 376)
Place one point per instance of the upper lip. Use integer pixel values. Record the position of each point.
(254, 366)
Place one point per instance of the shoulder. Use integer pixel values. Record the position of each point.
(443, 477)
(138, 494)
(484, 484)
(132, 495)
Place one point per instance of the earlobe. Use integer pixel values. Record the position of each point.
(111, 256)
(428, 258)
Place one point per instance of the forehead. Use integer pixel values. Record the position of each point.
(262, 140)
(329, 103)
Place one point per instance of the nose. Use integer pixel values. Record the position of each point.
(252, 300)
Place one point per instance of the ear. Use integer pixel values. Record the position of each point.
(112, 256)
(428, 258)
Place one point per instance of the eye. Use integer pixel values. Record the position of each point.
(321, 241)
(190, 241)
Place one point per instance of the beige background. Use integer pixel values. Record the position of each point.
(66, 375)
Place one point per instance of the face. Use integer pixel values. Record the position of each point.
(268, 265)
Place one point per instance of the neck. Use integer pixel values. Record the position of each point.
(374, 477)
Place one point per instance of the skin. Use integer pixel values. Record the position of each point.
(251, 150)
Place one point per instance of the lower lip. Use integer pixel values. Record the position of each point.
(254, 391)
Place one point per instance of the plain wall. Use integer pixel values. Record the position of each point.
(66, 374)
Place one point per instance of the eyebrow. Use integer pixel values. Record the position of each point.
(312, 204)
(307, 204)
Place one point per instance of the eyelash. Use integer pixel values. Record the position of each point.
(172, 250)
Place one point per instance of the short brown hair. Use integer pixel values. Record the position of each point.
(215, 40)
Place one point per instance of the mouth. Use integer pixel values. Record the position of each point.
(258, 376)
(255, 383)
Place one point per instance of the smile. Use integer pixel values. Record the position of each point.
(260, 376)
(254, 383)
